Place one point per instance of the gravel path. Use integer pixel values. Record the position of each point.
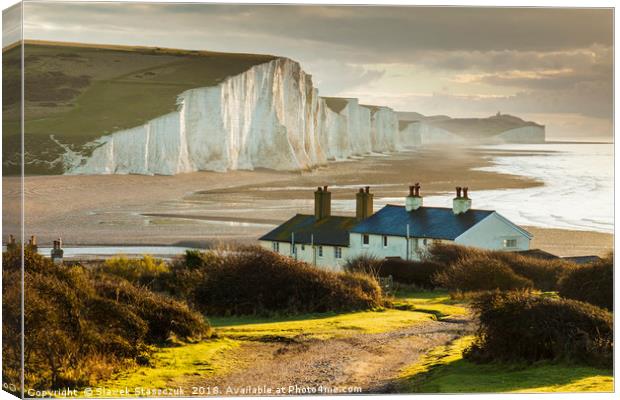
(367, 363)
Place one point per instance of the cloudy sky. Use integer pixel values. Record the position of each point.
(553, 66)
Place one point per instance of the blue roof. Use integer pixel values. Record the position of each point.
(425, 222)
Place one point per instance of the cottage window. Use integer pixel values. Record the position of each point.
(365, 240)
(337, 252)
(385, 241)
(510, 243)
(275, 246)
(320, 251)
(303, 247)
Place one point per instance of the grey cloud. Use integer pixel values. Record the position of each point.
(11, 25)
(389, 32)
(348, 48)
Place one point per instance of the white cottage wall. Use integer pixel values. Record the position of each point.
(492, 232)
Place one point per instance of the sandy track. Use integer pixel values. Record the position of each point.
(368, 361)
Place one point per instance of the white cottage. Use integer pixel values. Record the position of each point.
(394, 231)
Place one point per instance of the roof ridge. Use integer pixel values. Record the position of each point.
(438, 207)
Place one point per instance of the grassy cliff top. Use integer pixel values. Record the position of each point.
(79, 92)
(336, 104)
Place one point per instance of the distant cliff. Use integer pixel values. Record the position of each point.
(166, 111)
(419, 129)
(269, 116)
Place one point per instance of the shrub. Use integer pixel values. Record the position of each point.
(544, 274)
(418, 273)
(447, 254)
(364, 264)
(521, 326)
(592, 283)
(479, 273)
(73, 316)
(137, 270)
(164, 316)
(252, 280)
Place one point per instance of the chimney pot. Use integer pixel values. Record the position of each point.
(322, 203)
(461, 203)
(413, 201)
(364, 203)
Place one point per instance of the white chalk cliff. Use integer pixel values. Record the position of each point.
(418, 133)
(267, 117)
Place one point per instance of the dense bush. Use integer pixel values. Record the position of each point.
(364, 264)
(256, 281)
(164, 316)
(480, 273)
(417, 273)
(136, 270)
(592, 283)
(543, 274)
(80, 325)
(521, 326)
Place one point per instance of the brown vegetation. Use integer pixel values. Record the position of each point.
(480, 273)
(592, 283)
(80, 325)
(252, 280)
(542, 274)
(522, 326)
(418, 273)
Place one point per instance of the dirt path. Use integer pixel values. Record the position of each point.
(370, 362)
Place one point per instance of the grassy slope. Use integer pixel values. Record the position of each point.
(336, 104)
(173, 364)
(78, 93)
(444, 370)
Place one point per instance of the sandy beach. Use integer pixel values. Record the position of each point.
(205, 208)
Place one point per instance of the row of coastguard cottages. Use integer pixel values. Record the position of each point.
(401, 231)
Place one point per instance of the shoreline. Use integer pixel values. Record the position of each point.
(211, 208)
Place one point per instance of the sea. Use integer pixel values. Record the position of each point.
(577, 191)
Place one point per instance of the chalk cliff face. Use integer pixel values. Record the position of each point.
(419, 133)
(269, 116)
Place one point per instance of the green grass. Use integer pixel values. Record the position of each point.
(415, 307)
(127, 87)
(318, 326)
(443, 370)
(171, 364)
(437, 302)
